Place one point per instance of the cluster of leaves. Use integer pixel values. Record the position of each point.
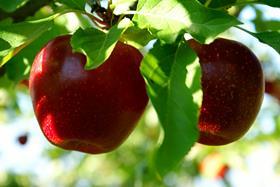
(164, 66)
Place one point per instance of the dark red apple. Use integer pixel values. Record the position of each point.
(233, 87)
(91, 111)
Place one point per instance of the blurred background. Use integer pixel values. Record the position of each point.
(28, 159)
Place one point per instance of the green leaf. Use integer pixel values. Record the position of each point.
(19, 35)
(137, 37)
(164, 68)
(120, 6)
(272, 25)
(271, 38)
(262, 24)
(4, 45)
(218, 3)
(168, 18)
(11, 5)
(98, 45)
(18, 67)
(273, 3)
(6, 83)
(75, 4)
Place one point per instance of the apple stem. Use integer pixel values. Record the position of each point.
(110, 16)
(106, 15)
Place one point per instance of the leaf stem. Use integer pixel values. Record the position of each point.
(243, 29)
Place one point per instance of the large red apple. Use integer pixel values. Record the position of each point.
(90, 111)
(233, 87)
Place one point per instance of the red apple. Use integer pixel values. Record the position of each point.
(91, 111)
(233, 87)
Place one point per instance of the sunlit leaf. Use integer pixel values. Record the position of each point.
(96, 44)
(137, 37)
(164, 68)
(121, 6)
(271, 38)
(168, 18)
(19, 35)
(18, 67)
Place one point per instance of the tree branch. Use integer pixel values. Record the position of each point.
(29, 9)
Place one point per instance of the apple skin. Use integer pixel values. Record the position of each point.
(233, 88)
(91, 111)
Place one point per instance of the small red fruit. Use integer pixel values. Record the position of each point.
(213, 166)
(232, 85)
(22, 139)
(273, 88)
(91, 111)
(223, 172)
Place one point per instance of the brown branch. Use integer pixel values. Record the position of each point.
(29, 9)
